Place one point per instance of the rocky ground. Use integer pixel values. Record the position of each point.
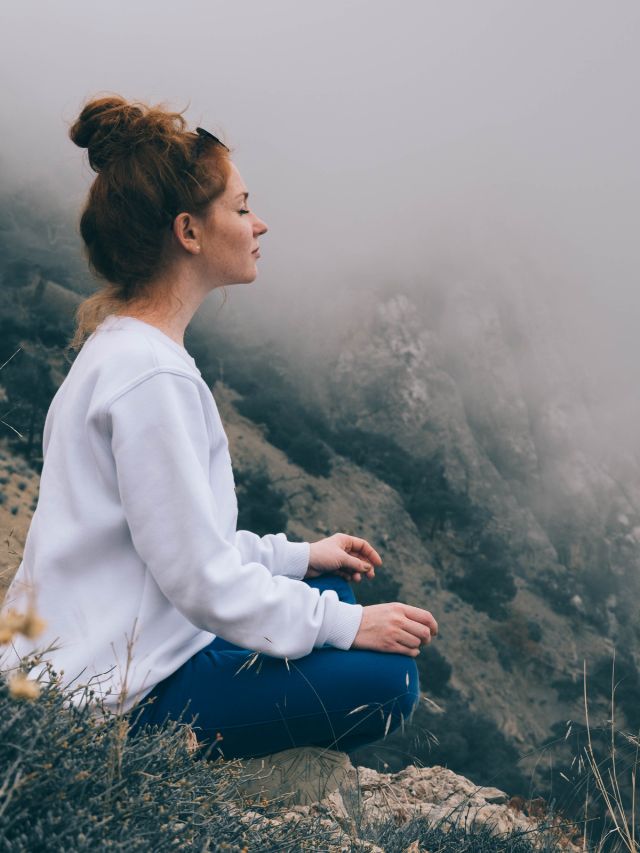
(314, 781)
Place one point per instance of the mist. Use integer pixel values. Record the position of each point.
(388, 147)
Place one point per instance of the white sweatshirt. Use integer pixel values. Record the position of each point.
(134, 535)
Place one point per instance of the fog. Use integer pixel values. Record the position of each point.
(386, 145)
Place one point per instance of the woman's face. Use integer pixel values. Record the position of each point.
(230, 238)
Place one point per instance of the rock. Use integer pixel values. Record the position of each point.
(321, 782)
(299, 776)
(494, 795)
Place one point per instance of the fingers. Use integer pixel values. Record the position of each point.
(409, 643)
(362, 548)
(417, 614)
(351, 576)
(406, 650)
(357, 566)
(414, 641)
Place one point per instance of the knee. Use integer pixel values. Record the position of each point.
(396, 694)
(335, 582)
(400, 684)
(412, 696)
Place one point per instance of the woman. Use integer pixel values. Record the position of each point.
(148, 590)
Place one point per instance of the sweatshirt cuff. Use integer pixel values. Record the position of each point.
(343, 622)
(297, 559)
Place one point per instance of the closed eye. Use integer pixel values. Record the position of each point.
(244, 211)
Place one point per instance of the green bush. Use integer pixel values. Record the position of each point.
(18, 273)
(71, 782)
(626, 681)
(513, 640)
(287, 430)
(534, 630)
(30, 387)
(260, 506)
(383, 589)
(487, 583)
(434, 670)
(269, 398)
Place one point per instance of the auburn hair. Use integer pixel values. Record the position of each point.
(149, 168)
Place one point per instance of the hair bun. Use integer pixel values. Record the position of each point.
(108, 127)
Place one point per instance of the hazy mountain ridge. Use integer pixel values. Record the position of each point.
(515, 432)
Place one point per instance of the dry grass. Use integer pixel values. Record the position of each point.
(610, 784)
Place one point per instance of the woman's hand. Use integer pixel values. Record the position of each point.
(344, 555)
(395, 627)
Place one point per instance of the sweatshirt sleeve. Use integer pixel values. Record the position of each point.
(161, 445)
(274, 551)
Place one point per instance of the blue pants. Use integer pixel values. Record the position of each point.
(329, 698)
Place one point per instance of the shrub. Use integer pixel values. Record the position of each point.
(260, 506)
(18, 273)
(487, 583)
(626, 683)
(384, 588)
(512, 640)
(260, 375)
(534, 630)
(421, 482)
(287, 430)
(434, 670)
(419, 834)
(30, 387)
(71, 782)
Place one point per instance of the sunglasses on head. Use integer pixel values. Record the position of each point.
(202, 136)
(199, 144)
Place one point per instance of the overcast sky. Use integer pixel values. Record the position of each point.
(381, 140)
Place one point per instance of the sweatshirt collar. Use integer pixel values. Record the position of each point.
(125, 321)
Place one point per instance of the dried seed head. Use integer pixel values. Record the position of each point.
(6, 634)
(191, 739)
(21, 687)
(33, 625)
(12, 622)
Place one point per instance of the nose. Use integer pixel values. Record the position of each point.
(260, 227)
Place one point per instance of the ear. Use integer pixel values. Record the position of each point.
(187, 231)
